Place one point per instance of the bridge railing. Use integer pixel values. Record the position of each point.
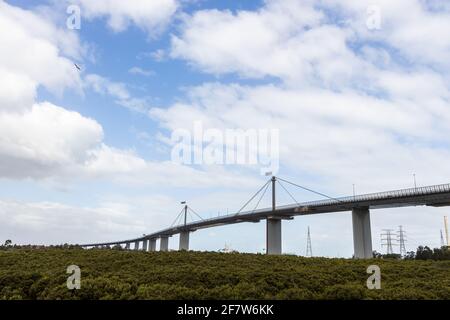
(411, 192)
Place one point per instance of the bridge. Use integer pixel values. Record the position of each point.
(359, 205)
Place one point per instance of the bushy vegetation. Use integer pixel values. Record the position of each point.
(40, 273)
(422, 253)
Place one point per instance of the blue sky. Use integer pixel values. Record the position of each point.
(86, 155)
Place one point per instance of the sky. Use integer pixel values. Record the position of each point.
(359, 92)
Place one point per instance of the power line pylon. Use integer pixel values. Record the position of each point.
(387, 240)
(308, 245)
(401, 238)
(446, 230)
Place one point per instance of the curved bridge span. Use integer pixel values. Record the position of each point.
(360, 205)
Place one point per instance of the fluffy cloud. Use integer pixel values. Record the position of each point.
(45, 141)
(350, 102)
(150, 15)
(41, 140)
(38, 139)
(271, 41)
(337, 136)
(415, 29)
(22, 33)
(140, 71)
(43, 222)
(323, 43)
(117, 90)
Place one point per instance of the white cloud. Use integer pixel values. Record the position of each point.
(149, 15)
(416, 29)
(340, 137)
(126, 167)
(40, 140)
(158, 55)
(57, 223)
(351, 102)
(302, 44)
(103, 85)
(45, 141)
(17, 91)
(117, 91)
(140, 71)
(284, 39)
(32, 55)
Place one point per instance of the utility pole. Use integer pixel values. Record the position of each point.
(401, 238)
(387, 241)
(308, 245)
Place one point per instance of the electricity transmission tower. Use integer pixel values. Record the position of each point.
(308, 245)
(446, 231)
(401, 238)
(387, 240)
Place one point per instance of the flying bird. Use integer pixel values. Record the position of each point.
(77, 66)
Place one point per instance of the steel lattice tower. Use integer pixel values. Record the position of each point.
(401, 238)
(308, 245)
(387, 241)
(446, 231)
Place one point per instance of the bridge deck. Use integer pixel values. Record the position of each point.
(437, 195)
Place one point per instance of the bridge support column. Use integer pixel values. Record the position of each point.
(136, 245)
(127, 246)
(184, 240)
(152, 245)
(164, 244)
(273, 236)
(362, 237)
(144, 245)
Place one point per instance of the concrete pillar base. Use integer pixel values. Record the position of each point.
(273, 236)
(164, 244)
(362, 237)
(144, 245)
(184, 240)
(152, 245)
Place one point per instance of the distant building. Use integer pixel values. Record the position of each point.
(227, 249)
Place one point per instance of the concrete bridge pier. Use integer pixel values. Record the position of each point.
(184, 240)
(273, 236)
(136, 245)
(362, 237)
(164, 243)
(127, 246)
(144, 245)
(152, 245)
